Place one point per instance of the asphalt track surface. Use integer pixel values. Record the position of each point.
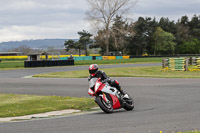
(161, 104)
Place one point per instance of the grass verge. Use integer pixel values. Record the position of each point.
(153, 71)
(5, 64)
(19, 105)
(119, 61)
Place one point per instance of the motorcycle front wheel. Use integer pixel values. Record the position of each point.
(107, 107)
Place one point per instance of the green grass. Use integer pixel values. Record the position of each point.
(120, 61)
(5, 64)
(23, 59)
(19, 105)
(11, 64)
(153, 71)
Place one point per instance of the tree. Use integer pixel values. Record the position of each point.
(138, 42)
(71, 44)
(167, 25)
(194, 26)
(184, 20)
(102, 13)
(85, 39)
(24, 49)
(119, 32)
(163, 42)
(50, 49)
(182, 33)
(150, 29)
(82, 43)
(99, 41)
(190, 47)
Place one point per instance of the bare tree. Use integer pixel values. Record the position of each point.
(102, 13)
(24, 49)
(120, 31)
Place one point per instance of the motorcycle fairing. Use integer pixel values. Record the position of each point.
(116, 103)
(90, 92)
(110, 90)
(113, 93)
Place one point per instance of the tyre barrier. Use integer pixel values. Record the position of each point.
(48, 63)
(177, 64)
(182, 64)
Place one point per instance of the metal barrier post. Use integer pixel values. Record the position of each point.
(164, 63)
(186, 64)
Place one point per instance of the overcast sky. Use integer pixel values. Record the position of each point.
(43, 19)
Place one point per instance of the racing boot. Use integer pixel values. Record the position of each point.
(123, 95)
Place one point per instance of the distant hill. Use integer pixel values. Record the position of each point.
(34, 44)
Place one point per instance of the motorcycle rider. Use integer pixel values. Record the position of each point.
(95, 72)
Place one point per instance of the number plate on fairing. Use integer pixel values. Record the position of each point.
(109, 90)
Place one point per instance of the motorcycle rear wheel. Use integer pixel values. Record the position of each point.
(106, 107)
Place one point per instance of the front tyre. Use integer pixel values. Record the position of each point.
(106, 107)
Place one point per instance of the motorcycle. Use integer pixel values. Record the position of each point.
(109, 98)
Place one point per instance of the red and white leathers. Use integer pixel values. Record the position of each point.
(94, 72)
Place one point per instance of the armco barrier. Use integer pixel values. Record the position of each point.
(119, 57)
(111, 57)
(83, 58)
(125, 57)
(105, 57)
(99, 58)
(47, 63)
(87, 58)
(78, 58)
(64, 58)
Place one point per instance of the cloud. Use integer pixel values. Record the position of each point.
(42, 31)
(40, 19)
(173, 9)
(34, 19)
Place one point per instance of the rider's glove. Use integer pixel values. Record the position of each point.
(104, 81)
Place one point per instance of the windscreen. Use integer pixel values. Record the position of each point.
(92, 82)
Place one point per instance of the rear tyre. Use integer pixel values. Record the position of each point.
(106, 107)
(129, 103)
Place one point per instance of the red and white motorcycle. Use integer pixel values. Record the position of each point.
(109, 98)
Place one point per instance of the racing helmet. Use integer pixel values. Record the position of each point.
(93, 68)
